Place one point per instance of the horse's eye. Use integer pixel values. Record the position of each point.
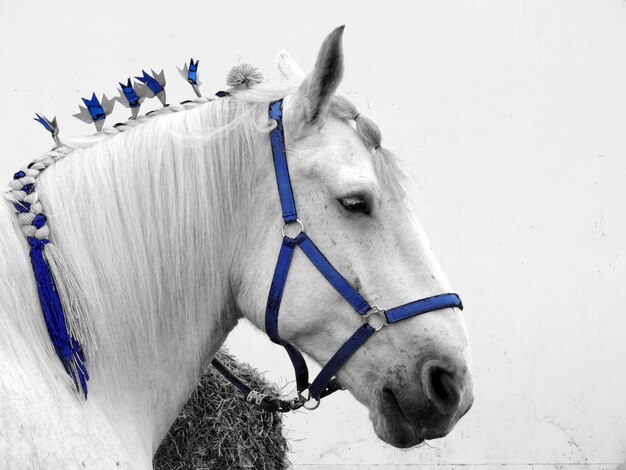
(356, 204)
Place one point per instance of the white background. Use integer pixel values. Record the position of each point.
(511, 117)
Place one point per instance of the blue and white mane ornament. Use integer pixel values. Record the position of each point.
(131, 97)
(190, 73)
(95, 111)
(154, 85)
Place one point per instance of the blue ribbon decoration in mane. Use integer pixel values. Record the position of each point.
(66, 346)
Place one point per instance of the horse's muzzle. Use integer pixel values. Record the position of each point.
(427, 408)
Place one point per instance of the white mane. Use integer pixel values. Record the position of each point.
(174, 182)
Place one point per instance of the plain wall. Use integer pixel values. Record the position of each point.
(511, 118)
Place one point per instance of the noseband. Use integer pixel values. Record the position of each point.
(372, 317)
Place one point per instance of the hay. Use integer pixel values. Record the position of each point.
(217, 429)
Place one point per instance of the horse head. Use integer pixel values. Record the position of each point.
(412, 376)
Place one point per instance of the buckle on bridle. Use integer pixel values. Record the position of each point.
(375, 317)
(304, 401)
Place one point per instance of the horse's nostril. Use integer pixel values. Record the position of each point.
(441, 386)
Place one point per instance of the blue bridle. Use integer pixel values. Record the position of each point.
(373, 317)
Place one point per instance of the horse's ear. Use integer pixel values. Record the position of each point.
(323, 81)
(288, 68)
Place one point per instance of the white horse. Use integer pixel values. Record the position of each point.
(171, 224)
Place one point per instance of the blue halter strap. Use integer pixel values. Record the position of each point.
(373, 317)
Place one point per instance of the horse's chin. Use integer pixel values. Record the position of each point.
(392, 426)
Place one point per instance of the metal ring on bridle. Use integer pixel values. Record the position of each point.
(311, 407)
(304, 400)
(297, 221)
(375, 317)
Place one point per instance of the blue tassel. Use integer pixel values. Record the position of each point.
(66, 347)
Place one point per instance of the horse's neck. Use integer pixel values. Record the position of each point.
(153, 265)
